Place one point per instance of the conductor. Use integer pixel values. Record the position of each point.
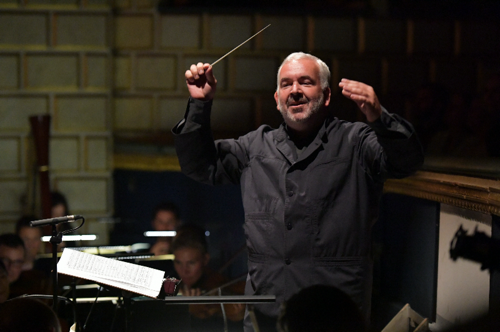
(310, 188)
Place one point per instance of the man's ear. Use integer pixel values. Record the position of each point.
(206, 259)
(276, 99)
(327, 94)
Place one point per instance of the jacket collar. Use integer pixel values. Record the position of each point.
(285, 145)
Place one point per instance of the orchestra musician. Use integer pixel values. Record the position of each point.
(32, 239)
(60, 208)
(310, 188)
(165, 218)
(21, 282)
(191, 264)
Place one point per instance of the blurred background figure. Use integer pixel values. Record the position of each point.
(60, 209)
(4, 283)
(191, 261)
(27, 315)
(320, 308)
(12, 253)
(32, 239)
(59, 205)
(165, 218)
(427, 111)
(457, 138)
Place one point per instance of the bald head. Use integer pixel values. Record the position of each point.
(324, 71)
(25, 314)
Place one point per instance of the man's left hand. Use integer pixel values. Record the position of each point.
(364, 96)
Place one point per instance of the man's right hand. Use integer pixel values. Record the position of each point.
(201, 82)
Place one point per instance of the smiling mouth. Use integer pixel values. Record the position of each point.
(296, 106)
(297, 103)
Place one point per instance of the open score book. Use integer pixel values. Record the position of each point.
(127, 276)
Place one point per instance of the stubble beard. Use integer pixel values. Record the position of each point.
(313, 107)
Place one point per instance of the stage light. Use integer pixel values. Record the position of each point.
(69, 238)
(160, 233)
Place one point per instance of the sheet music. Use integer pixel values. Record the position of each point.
(132, 277)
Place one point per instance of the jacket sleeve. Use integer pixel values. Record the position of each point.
(391, 149)
(200, 157)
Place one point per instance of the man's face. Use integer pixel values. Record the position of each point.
(299, 95)
(164, 221)
(13, 259)
(189, 264)
(32, 240)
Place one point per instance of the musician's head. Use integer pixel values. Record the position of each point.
(12, 255)
(59, 205)
(320, 308)
(303, 94)
(165, 217)
(191, 254)
(31, 236)
(28, 315)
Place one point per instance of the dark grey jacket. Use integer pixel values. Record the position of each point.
(308, 219)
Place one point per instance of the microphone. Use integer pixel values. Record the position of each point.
(54, 221)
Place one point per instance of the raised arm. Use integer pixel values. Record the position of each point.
(394, 150)
(200, 157)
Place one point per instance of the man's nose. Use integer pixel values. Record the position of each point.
(295, 88)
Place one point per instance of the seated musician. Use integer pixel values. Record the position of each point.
(191, 264)
(60, 208)
(21, 282)
(32, 239)
(165, 218)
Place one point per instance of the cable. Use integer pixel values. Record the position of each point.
(92, 308)
(114, 315)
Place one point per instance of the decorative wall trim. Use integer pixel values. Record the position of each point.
(472, 193)
(142, 162)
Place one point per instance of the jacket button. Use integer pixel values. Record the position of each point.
(288, 261)
(289, 226)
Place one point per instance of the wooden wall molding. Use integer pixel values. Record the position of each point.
(143, 162)
(472, 193)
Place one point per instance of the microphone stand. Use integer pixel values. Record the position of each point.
(55, 240)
